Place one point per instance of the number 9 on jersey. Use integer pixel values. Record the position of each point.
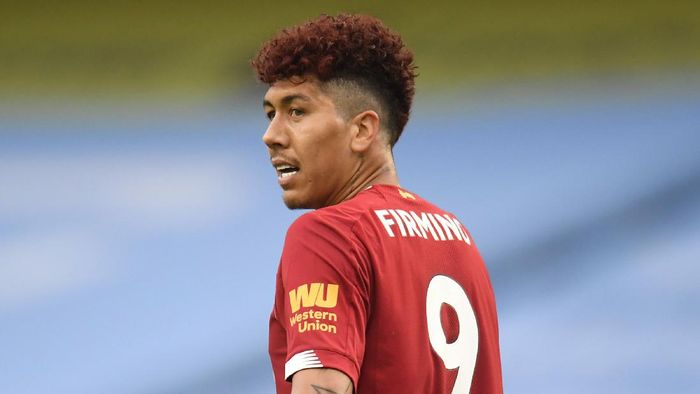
(462, 352)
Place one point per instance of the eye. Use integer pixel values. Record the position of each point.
(295, 112)
(270, 114)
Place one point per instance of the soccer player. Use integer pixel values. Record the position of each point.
(378, 290)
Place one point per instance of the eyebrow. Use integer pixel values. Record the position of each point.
(286, 100)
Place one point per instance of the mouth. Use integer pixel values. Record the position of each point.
(285, 172)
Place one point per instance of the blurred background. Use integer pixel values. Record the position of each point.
(141, 223)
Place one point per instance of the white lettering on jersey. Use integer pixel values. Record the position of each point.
(437, 226)
(381, 214)
(398, 221)
(449, 227)
(442, 227)
(410, 224)
(462, 230)
(424, 224)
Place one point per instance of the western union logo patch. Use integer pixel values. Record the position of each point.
(315, 294)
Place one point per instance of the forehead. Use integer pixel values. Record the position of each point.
(284, 91)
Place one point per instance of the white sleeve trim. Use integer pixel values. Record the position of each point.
(303, 360)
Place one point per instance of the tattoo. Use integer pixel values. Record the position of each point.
(323, 390)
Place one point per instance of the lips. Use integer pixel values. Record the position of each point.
(285, 170)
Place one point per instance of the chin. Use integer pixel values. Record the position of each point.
(294, 204)
(295, 201)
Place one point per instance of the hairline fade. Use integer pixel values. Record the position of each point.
(355, 95)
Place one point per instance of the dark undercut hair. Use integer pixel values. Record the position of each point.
(355, 53)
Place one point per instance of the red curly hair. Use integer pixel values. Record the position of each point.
(357, 48)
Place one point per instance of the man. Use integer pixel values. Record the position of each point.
(378, 290)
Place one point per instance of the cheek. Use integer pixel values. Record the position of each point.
(327, 155)
(331, 163)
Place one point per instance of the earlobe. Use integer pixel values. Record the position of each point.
(366, 128)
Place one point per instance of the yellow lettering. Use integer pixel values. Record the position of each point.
(317, 326)
(331, 299)
(304, 296)
(314, 294)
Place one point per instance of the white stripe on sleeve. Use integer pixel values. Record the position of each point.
(303, 360)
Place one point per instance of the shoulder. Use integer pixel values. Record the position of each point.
(320, 242)
(338, 229)
(340, 218)
(318, 222)
(320, 232)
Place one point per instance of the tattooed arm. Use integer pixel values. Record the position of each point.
(321, 381)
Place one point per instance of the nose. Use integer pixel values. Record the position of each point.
(276, 134)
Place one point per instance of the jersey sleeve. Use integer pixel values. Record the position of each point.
(325, 286)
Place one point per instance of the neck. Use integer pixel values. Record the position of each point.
(380, 170)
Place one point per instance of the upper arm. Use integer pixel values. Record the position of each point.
(323, 305)
(321, 381)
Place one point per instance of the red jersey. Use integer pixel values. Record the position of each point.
(390, 290)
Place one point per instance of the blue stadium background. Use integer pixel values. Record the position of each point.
(139, 239)
(144, 262)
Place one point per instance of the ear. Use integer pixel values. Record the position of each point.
(366, 128)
